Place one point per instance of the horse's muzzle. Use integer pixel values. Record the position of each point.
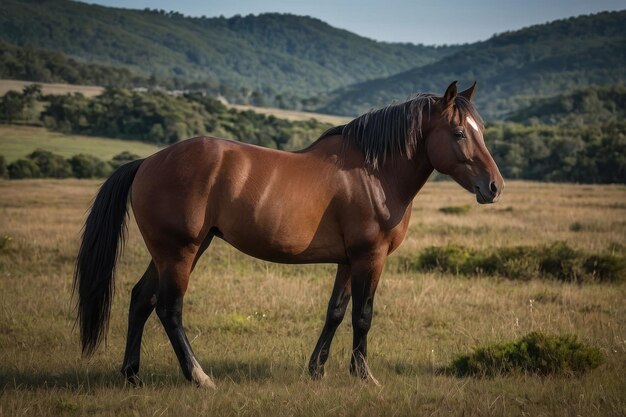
(488, 193)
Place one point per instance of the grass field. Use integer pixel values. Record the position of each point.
(294, 115)
(253, 324)
(18, 141)
(50, 88)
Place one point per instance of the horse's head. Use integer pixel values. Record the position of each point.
(455, 145)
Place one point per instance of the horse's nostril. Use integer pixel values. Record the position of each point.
(493, 187)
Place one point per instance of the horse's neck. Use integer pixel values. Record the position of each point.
(408, 175)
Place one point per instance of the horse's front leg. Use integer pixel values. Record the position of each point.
(364, 278)
(334, 315)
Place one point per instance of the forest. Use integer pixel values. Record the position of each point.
(273, 54)
(586, 143)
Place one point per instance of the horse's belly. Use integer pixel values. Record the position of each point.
(284, 243)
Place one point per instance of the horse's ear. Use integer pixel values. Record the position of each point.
(450, 95)
(469, 93)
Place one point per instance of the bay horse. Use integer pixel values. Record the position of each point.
(346, 199)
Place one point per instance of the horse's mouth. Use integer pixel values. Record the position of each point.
(482, 199)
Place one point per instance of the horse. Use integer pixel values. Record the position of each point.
(346, 199)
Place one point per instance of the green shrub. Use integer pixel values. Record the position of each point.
(557, 261)
(456, 209)
(560, 261)
(606, 267)
(122, 158)
(534, 353)
(3, 167)
(51, 165)
(23, 168)
(450, 258)
(576, 227)
(88, 166)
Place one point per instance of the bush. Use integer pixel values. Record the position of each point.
(87, 166)
(534, 353)
(456, 209)
(122, 158)
(3, 167)
(606, 267)
(51, 165)
(521, 262)
(23, 168)
(576, 227)
(452, 258)
(560, 261)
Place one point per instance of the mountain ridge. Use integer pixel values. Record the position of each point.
(510, 67)
(272, 53)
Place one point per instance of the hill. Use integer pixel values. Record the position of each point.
(32, 64)
(511, 68)
(592, 105)
(270, 53)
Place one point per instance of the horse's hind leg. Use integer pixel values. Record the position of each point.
(173, 280)
(142, 302)
(335, 313)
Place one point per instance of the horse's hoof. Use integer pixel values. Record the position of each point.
(316, 371)
(134, 381)
(202, 380)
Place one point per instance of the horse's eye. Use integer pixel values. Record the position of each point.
(459, 134)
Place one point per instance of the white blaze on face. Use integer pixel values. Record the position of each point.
(472, 123)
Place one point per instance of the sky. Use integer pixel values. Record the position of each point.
(431, 22)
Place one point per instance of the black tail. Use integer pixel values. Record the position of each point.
(100, 246)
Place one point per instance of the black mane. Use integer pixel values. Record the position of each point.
(395, 129)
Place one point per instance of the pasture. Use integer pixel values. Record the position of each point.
(293, 115)
(50, 88)
(18, 141)
(253, 324)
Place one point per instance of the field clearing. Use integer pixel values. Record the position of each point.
(18, 141)
(253, 324)
(294, 115)
(50, 88)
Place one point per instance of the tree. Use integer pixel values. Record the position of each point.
(51, 165)
(11, 106)
(88, 166)
(3, 167)
(23, 168)
(123, 158)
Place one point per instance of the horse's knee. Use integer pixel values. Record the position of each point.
(169, 315)
(362, 324)
(336, 315)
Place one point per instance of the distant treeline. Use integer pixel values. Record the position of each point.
(25, 63)
(154, 117)
(45, 164)
(561, 153)
(571, 149)
(41, 65)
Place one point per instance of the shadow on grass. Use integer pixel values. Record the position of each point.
(403, 368)
(239, 371)
(84, 379)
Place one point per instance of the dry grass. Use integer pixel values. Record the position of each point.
(18, 141)
(50, 88)
(253, 324)
(294, 115)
